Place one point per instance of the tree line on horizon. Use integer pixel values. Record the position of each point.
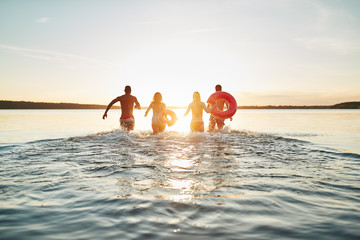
(4, 104)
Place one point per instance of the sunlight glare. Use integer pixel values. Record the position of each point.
(177, 69)
(183, 123)
(182, 163)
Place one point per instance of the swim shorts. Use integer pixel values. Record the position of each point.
(127, 123)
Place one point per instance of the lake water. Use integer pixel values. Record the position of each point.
(271, 174)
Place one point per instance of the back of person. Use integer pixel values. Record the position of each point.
(197, 107)
(127, 104)
(220, 104)
(158, 108)
(197, 111)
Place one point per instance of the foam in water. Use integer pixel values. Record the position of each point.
(226, 185)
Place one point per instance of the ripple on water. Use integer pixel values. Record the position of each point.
(229, 185)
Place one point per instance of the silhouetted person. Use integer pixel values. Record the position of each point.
(127, 101)
(197, 107)
(158, 108)
(213, 121)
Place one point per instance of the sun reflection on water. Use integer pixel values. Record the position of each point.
(181, 165)
(184, 184)
(186, 188)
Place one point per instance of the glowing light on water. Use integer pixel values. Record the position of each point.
(183, 184)
(186, 188)
(181, 165)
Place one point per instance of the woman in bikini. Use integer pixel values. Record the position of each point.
(158, 108)
(197, 107)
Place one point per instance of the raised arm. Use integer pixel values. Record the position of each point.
(137, 104)
(187, 110)
(208, 110)
(109, 106)
(148, 109)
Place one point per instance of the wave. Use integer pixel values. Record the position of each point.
(118, 133)
(240, 141)
(44, 140)
(236, 143)
(174, 180)
(336, 152)
(8, 146)
(5, 146)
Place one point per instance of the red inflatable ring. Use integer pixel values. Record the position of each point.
(228, 98)
(164, 117)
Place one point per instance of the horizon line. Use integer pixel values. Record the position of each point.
(102, 106)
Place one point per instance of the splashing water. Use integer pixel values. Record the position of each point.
(228, 185)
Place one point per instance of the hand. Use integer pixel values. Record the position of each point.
(105, 116)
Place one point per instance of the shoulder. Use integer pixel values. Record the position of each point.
(134, 98)
(199, 104)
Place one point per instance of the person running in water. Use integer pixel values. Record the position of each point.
(127, 101)
(197, 107)
(220, 104)
(158, 108)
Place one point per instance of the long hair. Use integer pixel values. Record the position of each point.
(196, 97)
(157, 98)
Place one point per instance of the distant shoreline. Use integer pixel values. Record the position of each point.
(4, 104)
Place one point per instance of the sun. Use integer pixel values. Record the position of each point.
(177, 68)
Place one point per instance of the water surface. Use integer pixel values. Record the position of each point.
(239, 184)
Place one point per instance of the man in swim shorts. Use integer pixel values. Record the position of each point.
(213, 121)
(127, 101)
(197, 107)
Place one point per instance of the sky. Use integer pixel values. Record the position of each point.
(263, 52)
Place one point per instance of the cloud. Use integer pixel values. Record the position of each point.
(296, 98)
(203, 30)
(42, 20)
(332, 30)
(334, 45)
(46, 55)
(150, 22)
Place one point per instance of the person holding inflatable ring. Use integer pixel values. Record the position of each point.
(168, 117)
(221, 104)
(197, 107)
(158, 108)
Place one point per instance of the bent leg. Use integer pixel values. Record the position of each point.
(211, 123)
(220, 123)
